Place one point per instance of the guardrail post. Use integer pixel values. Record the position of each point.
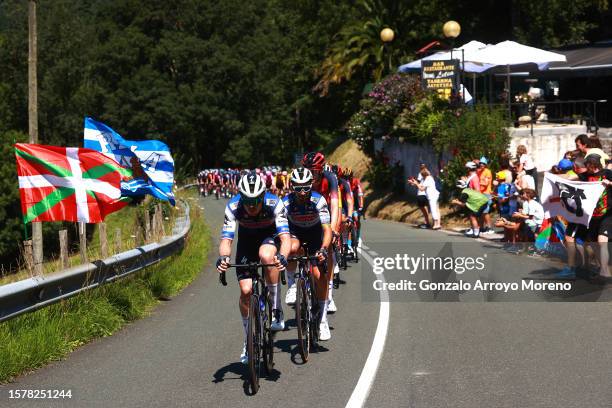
(103, 240)
(63, 239)
(28, 255)
(117, 240)
(160, 220)
(147, 225)
(83, 242)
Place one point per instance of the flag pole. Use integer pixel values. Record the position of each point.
(37, 242)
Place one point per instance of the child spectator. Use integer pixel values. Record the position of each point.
(475, 202)
(525, 163)
(505, 194)
(485, 179)
(532, 215)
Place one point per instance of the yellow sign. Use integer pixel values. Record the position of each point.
(440, 76)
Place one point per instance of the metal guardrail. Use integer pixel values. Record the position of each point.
(35, 293)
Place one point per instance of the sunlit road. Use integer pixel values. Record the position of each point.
(459, 353)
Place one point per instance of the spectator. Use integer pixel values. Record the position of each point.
(473, 181)
(600, 225)
(431, 192)
(422, 201)
(575, 234)
(525, 163)
(524, 181)
(475, 202)
(506, 201)
(485, 178)
(532, 215)
(582, 143)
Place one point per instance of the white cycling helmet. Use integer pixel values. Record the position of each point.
(251, 185)
(301, 175)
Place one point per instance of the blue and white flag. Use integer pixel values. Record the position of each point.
(152, 156)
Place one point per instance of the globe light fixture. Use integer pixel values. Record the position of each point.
(451, 29)
(387, 35)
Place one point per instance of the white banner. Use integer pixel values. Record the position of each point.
(573, 200)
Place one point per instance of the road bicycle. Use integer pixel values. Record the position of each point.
(307, 311)
(260, 338)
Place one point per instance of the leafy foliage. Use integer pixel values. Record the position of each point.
(470, 134)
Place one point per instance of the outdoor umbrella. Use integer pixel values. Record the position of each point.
(510, 53)
(469, 66)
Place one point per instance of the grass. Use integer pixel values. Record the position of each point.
(33, 340)
(125, 219)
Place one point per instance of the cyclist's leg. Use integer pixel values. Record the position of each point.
(295, 250)
(267, 252)
(245, 252)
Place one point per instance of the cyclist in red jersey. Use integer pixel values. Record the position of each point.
(357, 191)
(326, 184)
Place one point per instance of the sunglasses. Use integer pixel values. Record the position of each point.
(302, 189)
(251, 202)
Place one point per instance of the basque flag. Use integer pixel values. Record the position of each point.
(150, 160)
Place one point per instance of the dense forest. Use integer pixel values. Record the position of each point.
(233, 82)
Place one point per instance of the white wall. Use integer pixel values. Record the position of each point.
(547, 146)
(548, 143)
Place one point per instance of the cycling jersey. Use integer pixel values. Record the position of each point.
(356, 187)
(311, 214)
(271, 220)
(328, 186)
(346, 193)
(306, 220)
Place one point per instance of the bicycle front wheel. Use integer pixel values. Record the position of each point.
(253, 344)
(267, 344)
(302, 319)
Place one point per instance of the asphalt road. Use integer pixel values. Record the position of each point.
(440, 348)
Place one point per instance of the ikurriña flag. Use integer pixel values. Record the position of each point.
(150, 160)
(68, 183)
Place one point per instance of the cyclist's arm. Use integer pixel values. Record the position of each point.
(334, 206)
(282, 228)
(349, 199)
(225, 247)
(325, 220)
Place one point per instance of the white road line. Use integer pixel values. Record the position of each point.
(368, 374)
(373, 253)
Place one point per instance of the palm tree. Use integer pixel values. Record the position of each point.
(358, 47)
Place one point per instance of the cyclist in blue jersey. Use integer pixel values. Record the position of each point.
(262, 230)
(309, 223)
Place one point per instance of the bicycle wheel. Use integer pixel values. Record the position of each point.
(302, 319)
(267, 344)
(253, 344)
(315, 314)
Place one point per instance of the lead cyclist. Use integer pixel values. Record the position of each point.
(263, 235)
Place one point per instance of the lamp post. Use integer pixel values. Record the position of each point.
(386, 36)
(451, 30)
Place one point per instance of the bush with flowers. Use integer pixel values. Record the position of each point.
(398, 107)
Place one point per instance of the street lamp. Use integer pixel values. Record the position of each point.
(451, 29)
(387, 35)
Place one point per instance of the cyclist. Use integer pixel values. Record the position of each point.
(326, 184)
(309, 223)
(280, 182)
(262, 226)
(346, 196)
(357, 191)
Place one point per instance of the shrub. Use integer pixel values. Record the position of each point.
(470, 134)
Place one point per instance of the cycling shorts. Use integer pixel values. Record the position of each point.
(312, 238)
(248, 250)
